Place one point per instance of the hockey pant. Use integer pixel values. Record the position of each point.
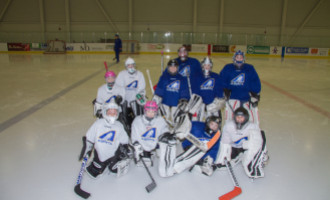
(253, 111)
(118, 164)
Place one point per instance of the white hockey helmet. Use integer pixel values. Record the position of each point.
(207, 61)
(112, 116)
(130, 65)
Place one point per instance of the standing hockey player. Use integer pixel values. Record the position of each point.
(109, 140)
(243, 141)
(207, 86)
(133, 82)
(117, 48)
(107, 92)
(146, 130)
(188, 67)
(171, 92)
(241, 86)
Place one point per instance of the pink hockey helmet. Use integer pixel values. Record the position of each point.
(110, 74)
(151, 105)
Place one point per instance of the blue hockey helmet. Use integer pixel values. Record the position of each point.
(239, 59)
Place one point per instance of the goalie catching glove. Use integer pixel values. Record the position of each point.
(254, 99)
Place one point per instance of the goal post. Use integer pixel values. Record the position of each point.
(55, 47)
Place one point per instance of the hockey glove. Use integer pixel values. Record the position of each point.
(254, 99)
(118, 100)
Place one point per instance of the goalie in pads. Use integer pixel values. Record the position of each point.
(243, 141)
(201, 149)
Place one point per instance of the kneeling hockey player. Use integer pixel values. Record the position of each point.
(109, 140)
(243, 141)
(146, 129)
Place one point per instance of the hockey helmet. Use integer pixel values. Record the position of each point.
(239, 59)
(206, 70)
(130, 65)
(183, 53)
(113, 114)
(173, 63)
(241, 117)
(209, 129)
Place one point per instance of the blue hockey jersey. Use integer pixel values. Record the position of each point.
(240, 82)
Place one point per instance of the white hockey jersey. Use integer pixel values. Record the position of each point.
(147, 133)
(132, 83)
(106, 137)
(104, 94)
(234, 137)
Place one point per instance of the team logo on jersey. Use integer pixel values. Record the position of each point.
(208, 84)
(174, 86)
(149, 135)
(238, 80)
(107, 137)
(112, 97)
(132, 86)
(185, 71)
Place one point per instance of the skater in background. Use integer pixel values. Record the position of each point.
(243, 141)
(241, 86)
(133, 82)
(108, 141)
(107, 92)
(117, 48)
(146, 130)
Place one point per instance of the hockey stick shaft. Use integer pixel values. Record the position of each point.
(77, 188)
(153, 184)
(237, 189)
(106, 66)
(150, 82)
(162, 61)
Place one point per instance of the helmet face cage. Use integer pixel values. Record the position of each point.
(110, 77)
(210, 119)
(150, 106)
(173, 63)
(241, 112)
(240, 62)
(207, 61)
(130, 61)
(183, 53)
(110, 105)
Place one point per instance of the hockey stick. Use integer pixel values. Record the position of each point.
(201, 145)
(162, 61)
(106, 66)
(150, 82)
(237, 189)
(153, 184)
(77, 188)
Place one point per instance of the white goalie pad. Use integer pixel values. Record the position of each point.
(253, 111)
(253, 157)
(194, 103)
(182, 126)
(216, 105)
(97, 106)
(167, 154)
(122, 167)
(187, 159)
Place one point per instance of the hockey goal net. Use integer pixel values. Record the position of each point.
(55, 46)
(130, 47)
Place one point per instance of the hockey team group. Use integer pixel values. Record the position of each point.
(180, 127)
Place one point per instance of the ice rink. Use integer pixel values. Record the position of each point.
(46, 107)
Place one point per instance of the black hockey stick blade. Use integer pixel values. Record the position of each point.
(81, 192)
(151, 187)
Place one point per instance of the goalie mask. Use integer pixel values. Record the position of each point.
(183, 53)
(212, 124)
(239, 59)
(110, 78)
(130, 65)
(241, 117)
(207, 65)
(150, 110)
(110, 111)
(172, 67)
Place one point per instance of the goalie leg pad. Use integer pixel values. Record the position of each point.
(253, 158)
(96, 167)
(187, 159)
(167, 153)
(137, 108)
(194, 103)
